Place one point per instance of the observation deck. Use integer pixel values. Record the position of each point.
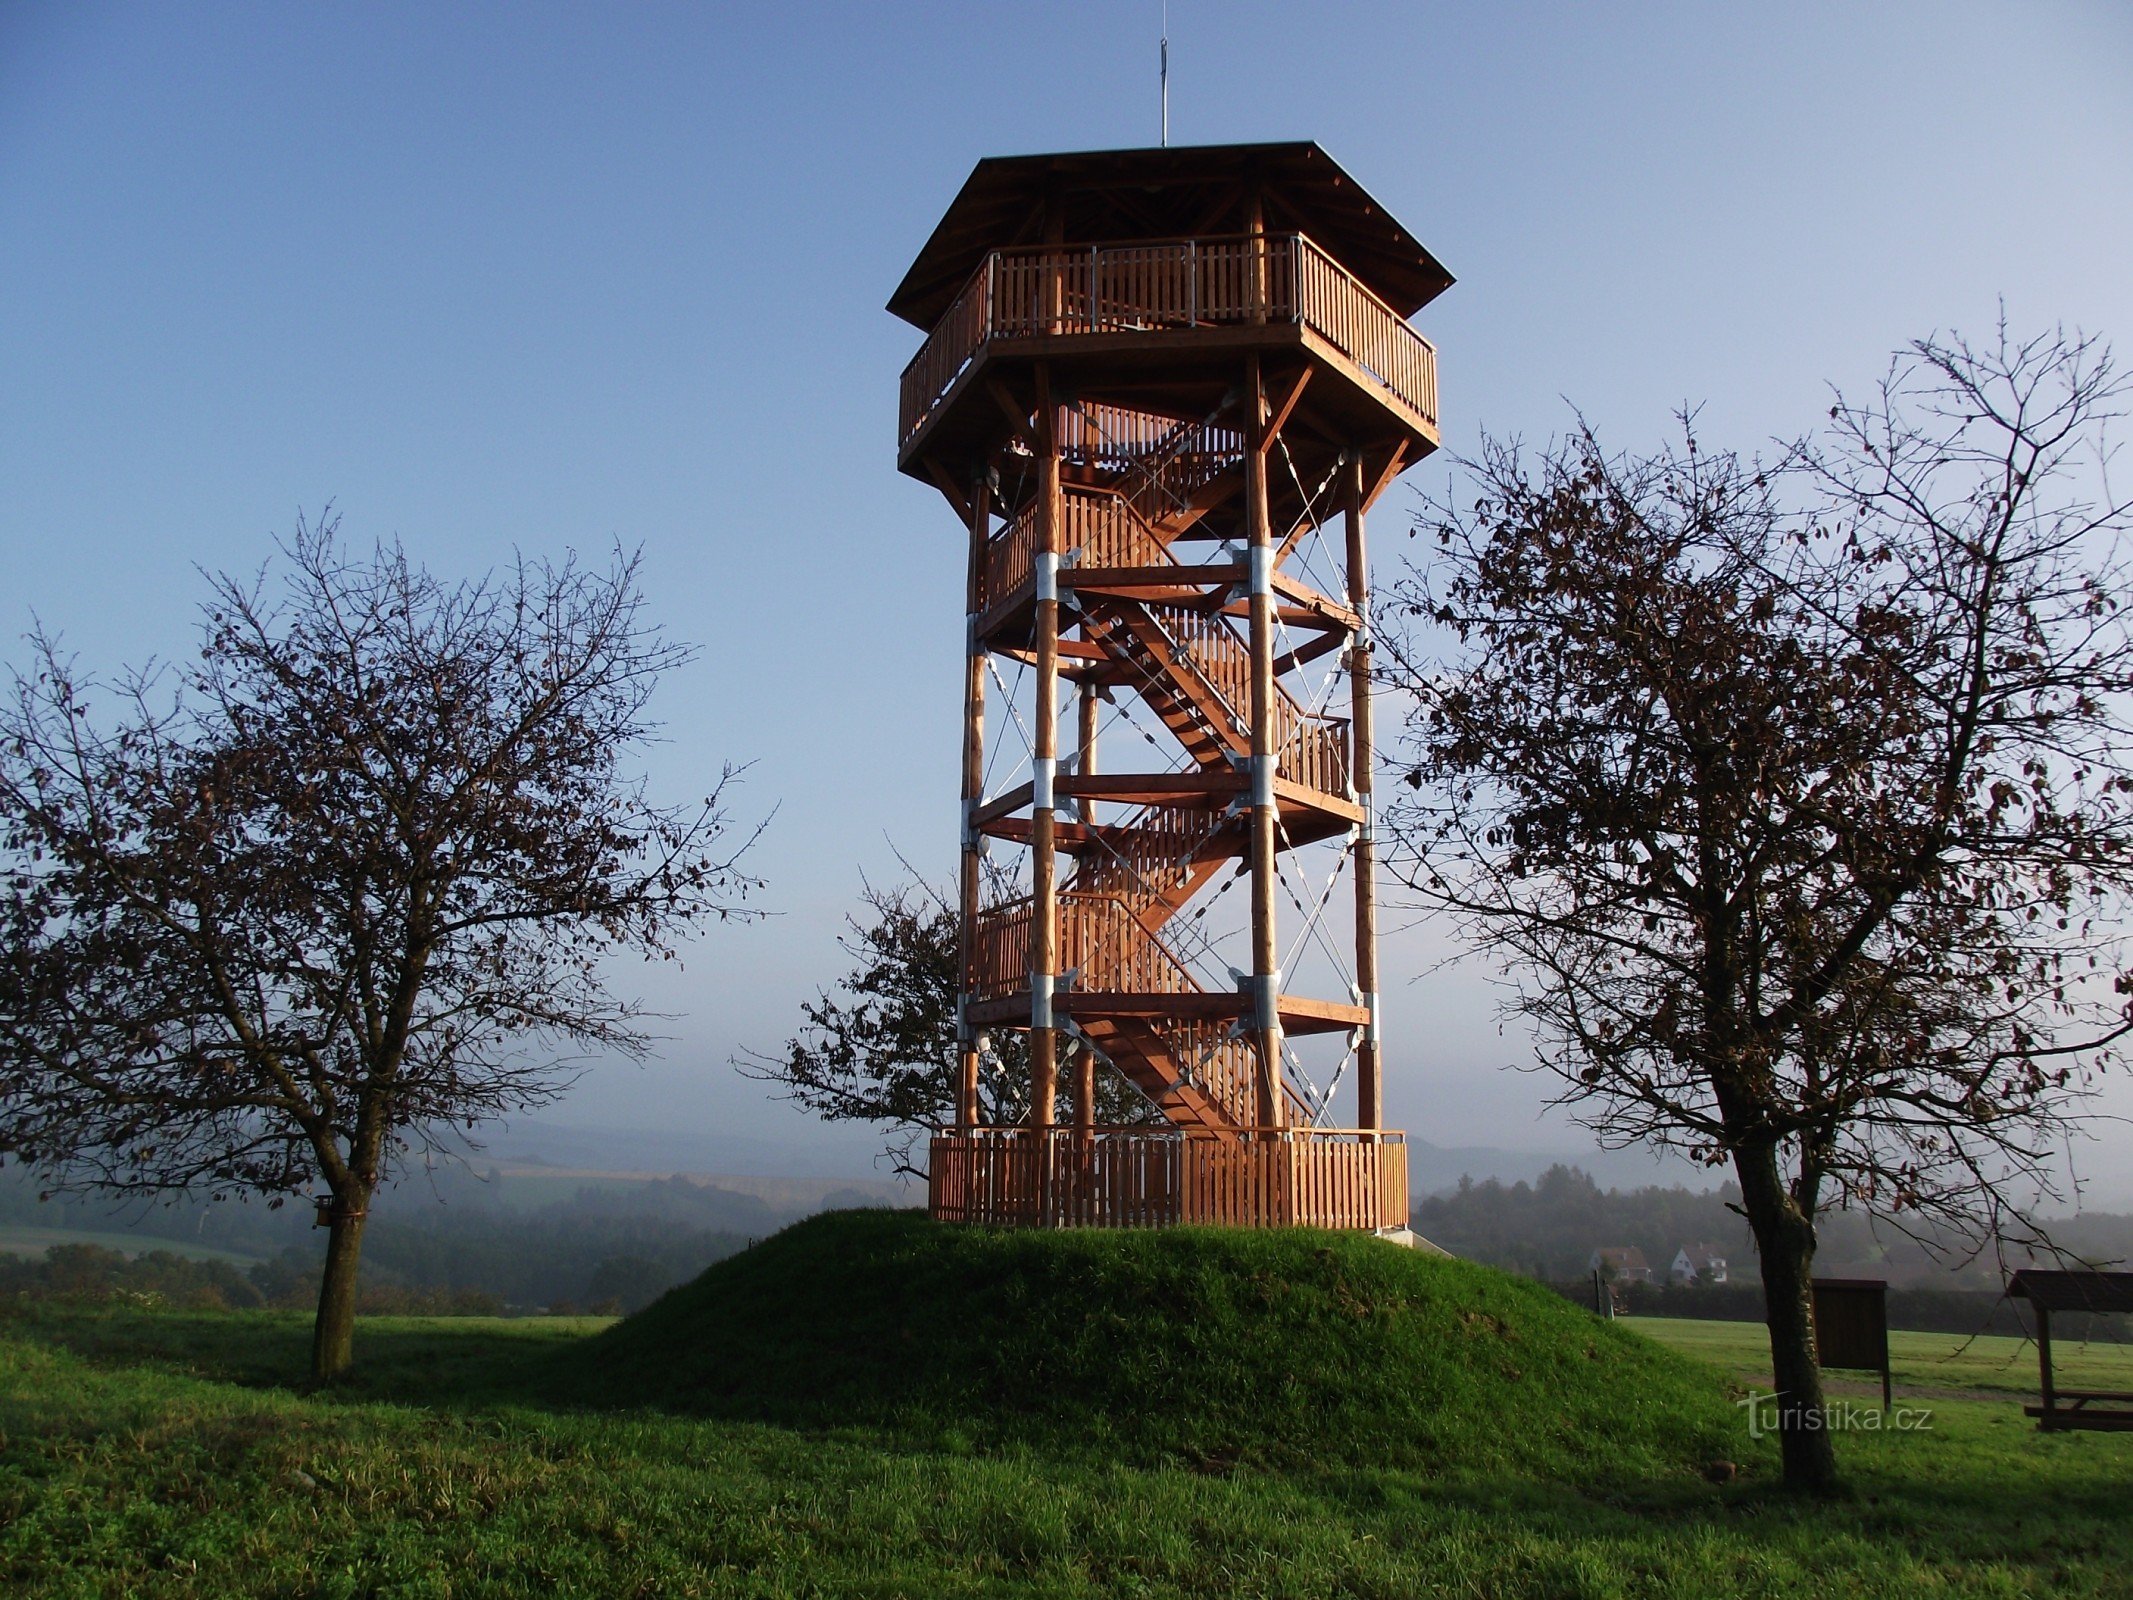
(1168, 319)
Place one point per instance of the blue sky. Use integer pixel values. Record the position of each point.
(544, 276)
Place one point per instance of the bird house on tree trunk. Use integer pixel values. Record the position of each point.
(1162, 389)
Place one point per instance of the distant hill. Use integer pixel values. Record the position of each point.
(528, 1238)
(1548, 1228)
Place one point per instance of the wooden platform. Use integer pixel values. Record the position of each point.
(1152, 1177)
(1165, 320)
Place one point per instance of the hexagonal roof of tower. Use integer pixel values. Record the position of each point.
(1180, 191)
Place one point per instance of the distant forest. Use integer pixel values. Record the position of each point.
(1549, 1228)
(460, 1240)
(607, 1246)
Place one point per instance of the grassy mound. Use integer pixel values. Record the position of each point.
(1209, 1346)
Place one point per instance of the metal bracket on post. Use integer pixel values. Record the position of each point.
(1261, 991)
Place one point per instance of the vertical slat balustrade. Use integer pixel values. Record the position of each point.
(1313, 750)
(1100, 529)
(955, 341)
(1102, 940)
(999, 951)
(1010, 557)
(1094, 289)
(1139, 1177)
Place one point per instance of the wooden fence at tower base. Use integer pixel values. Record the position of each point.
(1149, 1177)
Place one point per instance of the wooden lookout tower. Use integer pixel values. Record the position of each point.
(1162, 389)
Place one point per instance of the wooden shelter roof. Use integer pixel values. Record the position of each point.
(2074, 1291)
(1183, 191)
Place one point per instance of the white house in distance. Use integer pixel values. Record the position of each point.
(1621, 1263)
(1698, 1263)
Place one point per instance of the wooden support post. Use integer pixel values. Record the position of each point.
(1263, 1014)
(1044, 884)
(2046, 1391)
(1085, 755)
(1084, 1056)
(1055, 272)
(966, 1088)
(1369, 1059)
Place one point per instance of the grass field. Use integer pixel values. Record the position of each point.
(169, 1454)
(1923, 1365)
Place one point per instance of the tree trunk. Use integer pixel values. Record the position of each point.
(333, 1334)
(1785, 1245)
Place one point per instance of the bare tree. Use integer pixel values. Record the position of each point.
(1795, 800)
(884, 1048)
(343, 882)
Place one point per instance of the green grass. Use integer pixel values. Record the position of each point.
(1163, 1346)
(1922, 1365)
(147, 1453)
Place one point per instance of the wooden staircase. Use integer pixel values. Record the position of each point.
(1152, 625)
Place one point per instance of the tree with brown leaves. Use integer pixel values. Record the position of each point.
(344, 882)
(1796, 801)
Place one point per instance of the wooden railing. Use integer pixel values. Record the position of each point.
(1210, 649)
(1102, 531)
(1171, 284)
(1142, 287)
(1010, 557)
(1313, 749)
(1365, 330)
(949, 348)
(1315, 753)
(1121, 439)
(1147, 855)
(1214, 1059)
(1161, 462)
(1097, 528)
(1100, 939)
(999, 951)
(1138, 1177)
(1164, 482)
